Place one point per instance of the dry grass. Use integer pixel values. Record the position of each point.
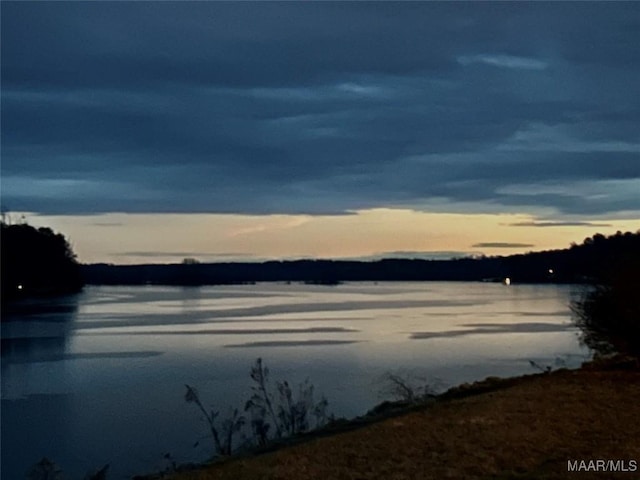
(527, 429)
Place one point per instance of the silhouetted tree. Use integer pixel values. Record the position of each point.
(37, 261)
(609, 312)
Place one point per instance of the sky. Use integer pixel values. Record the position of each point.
(154, 131)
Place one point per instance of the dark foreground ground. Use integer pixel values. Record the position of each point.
(523, 428)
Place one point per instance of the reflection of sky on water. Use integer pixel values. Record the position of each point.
(108, 367)
(493, 328)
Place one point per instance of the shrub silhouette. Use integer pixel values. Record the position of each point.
(223, 439)
(291, 414)
(45, 469)
(408, 388)
(609, 312)
(287, 413)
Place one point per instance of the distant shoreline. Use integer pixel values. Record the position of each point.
(592, 260)
(334, 272)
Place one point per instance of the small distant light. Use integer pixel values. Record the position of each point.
(551, 271)
(19, 287)
(507, 281)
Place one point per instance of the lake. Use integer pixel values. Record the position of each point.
(99, 377)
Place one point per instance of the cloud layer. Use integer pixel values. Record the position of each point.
(321, 107)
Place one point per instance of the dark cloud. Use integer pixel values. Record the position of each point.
(107, 224)
(559, 224)
(320, 107)
(502, 245)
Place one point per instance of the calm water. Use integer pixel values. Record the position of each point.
(99, 378)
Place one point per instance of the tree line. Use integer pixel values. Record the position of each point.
(36, 262)
(594, 259)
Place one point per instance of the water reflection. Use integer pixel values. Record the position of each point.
(221, 331)
(293, 343)
(110, 364)
(37, 330)
(493, 328)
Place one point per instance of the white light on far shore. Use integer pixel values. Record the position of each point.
(19, 287)
(551, 271)
(507, 281)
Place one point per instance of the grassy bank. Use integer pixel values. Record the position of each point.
(525, 428)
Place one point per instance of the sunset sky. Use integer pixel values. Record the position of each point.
(153, 131)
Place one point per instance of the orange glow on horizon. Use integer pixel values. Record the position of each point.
(168, 238)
